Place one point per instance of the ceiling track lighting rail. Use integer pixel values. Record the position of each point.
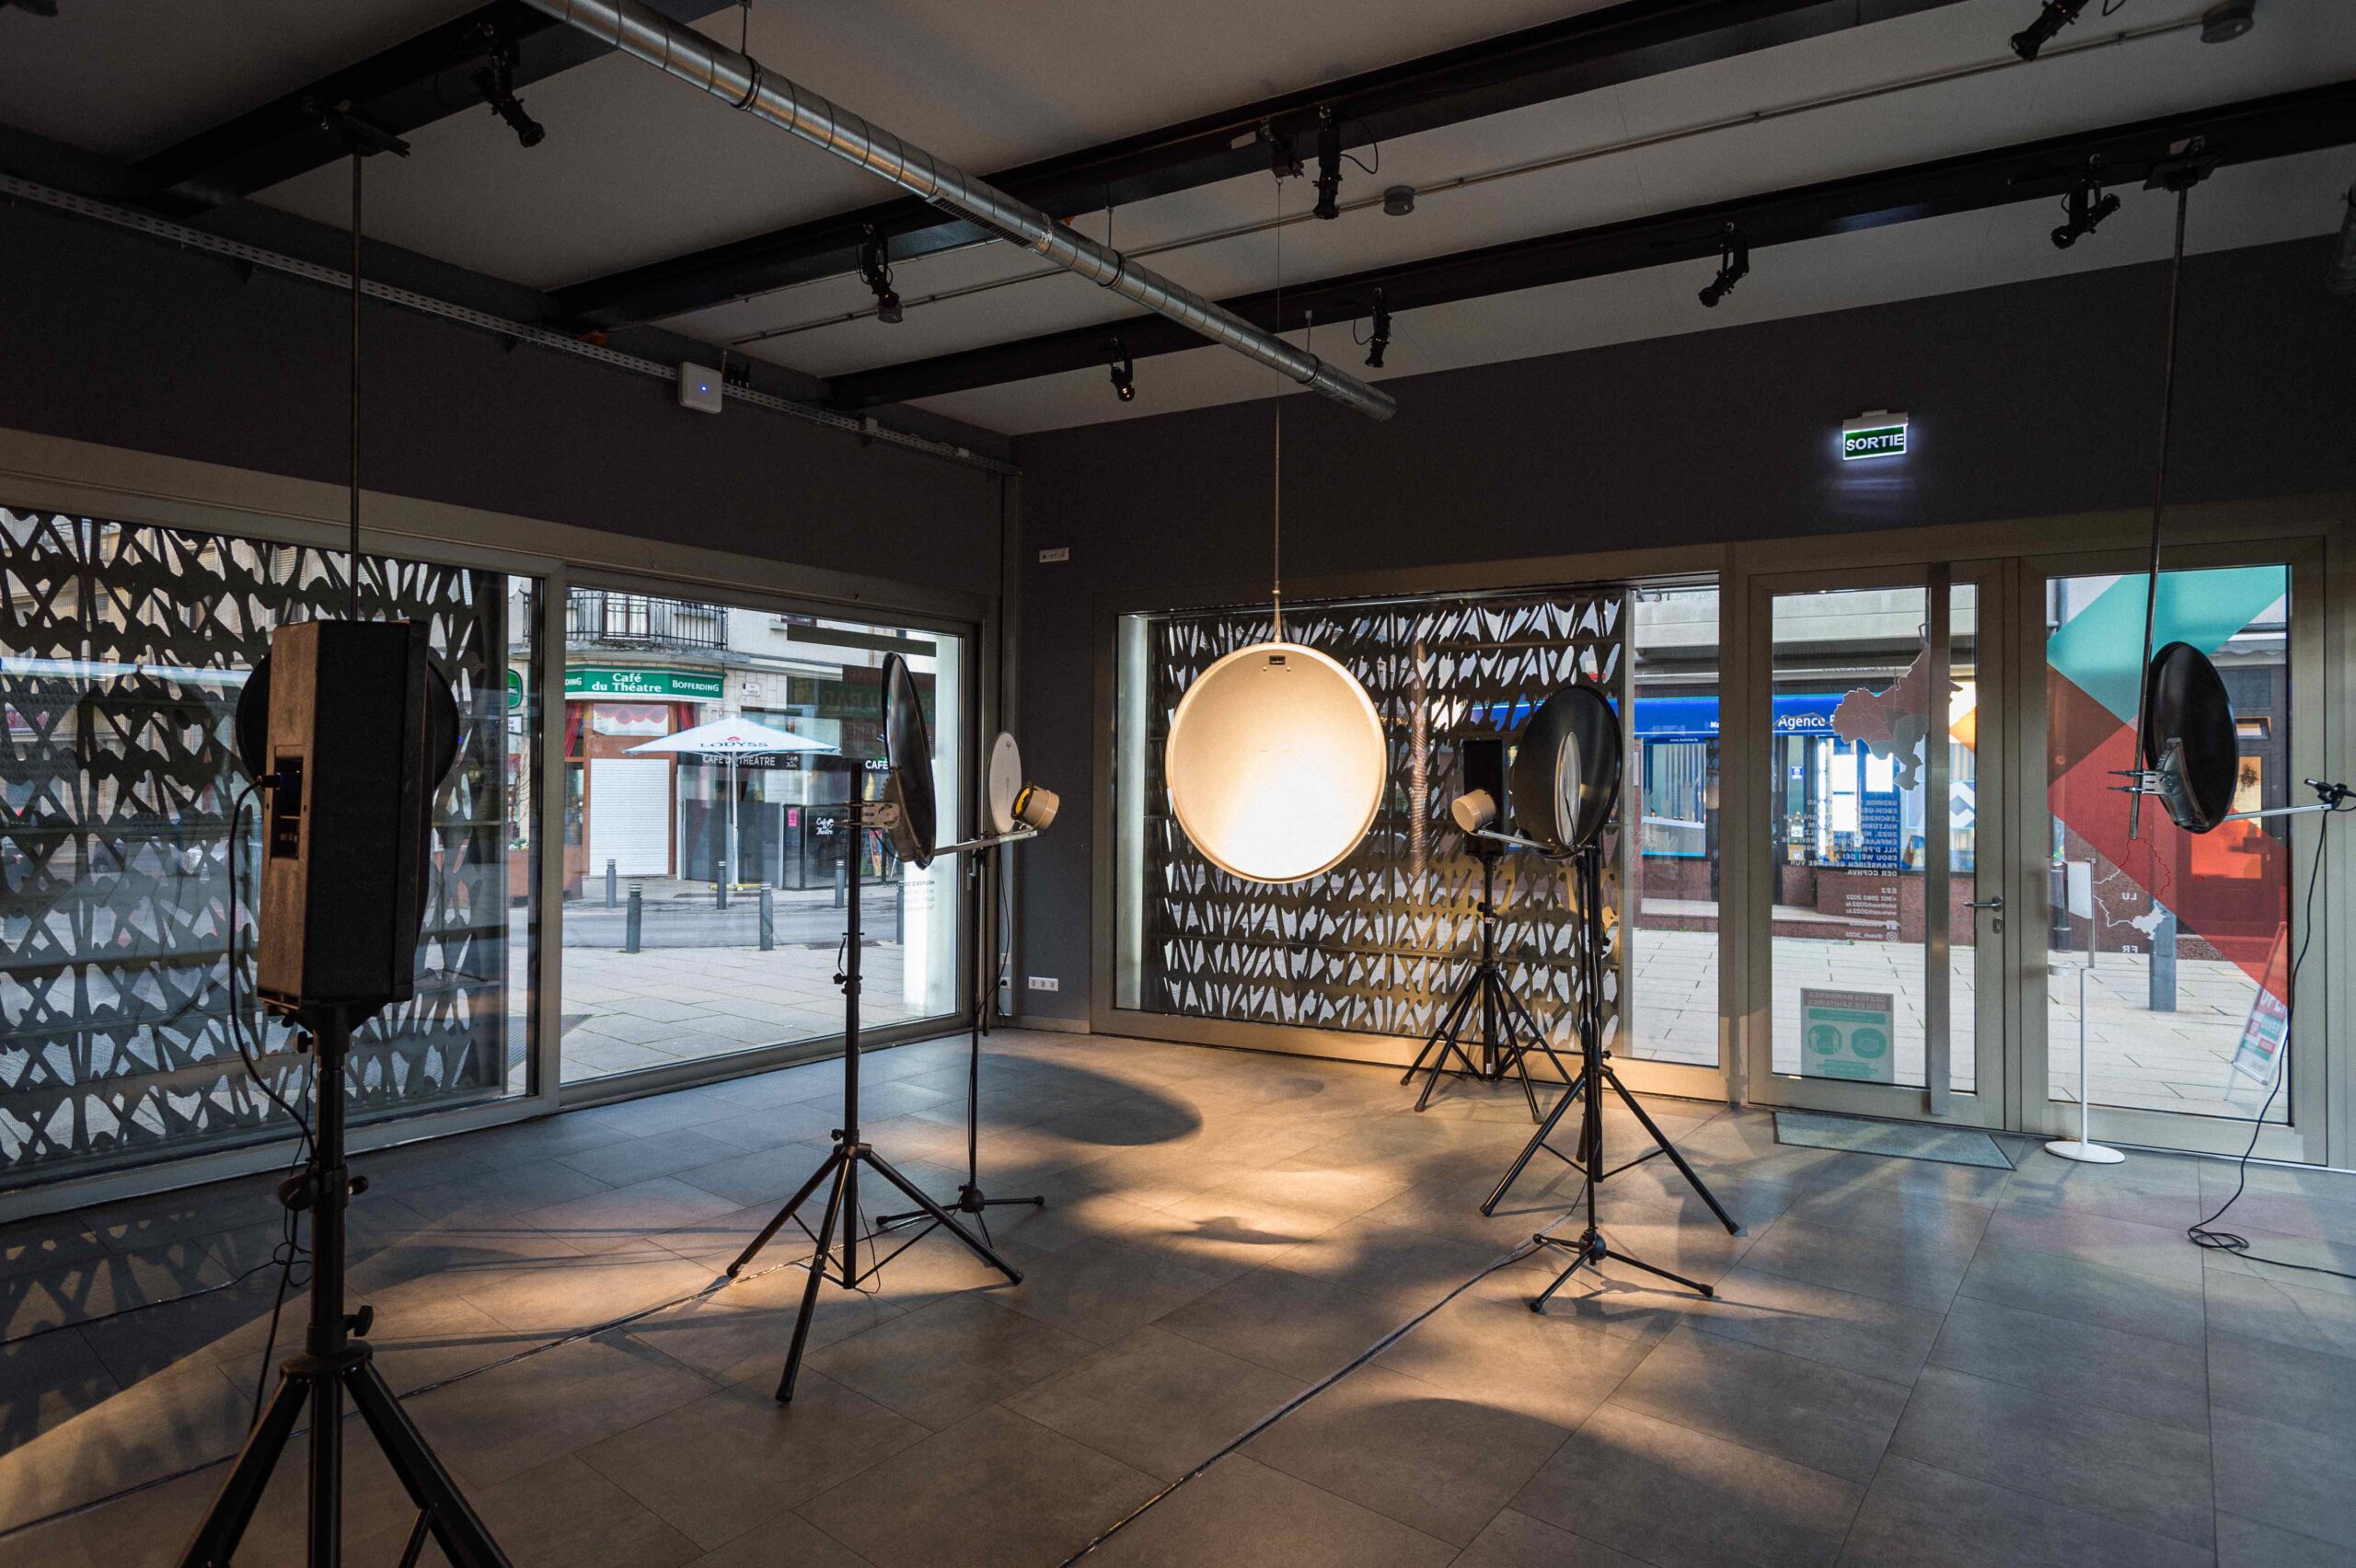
(187, 238)
(412, 84)
(1597, 49)
(2248, 132)
(640, 30)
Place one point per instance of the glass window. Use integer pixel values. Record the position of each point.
(122, 652)
(704, 886)
(1673, 918)
(2184, 940)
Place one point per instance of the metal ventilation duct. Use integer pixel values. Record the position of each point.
(743, 83)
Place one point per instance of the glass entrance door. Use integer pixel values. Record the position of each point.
(1878, 917)
(2181, 946)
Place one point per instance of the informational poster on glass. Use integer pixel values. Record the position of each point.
(1848, 1034)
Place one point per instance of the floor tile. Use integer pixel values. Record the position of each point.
(1860, 1333)
(1516, 1541)
(2245, 1543)
(941, 1363)
(2285, 1477)
(1789, 1406)
(1241, 1513)
(639, 1159)
(1488, 1346)
(2273, 1309)
(1157, 1401)
(1910, 1269)
(1301, 1327)
(717, 1467)
(787, 1539)
(1918, 1516)
(2287, 1383)
(1100, 1290)
(993, 1490)
(1683, 1499)
(520, 1416)
(2088, 1292)
(608, 1219)
(2135, 1472)
(1408, 1449)
(560, 1515)
(2078, 1363)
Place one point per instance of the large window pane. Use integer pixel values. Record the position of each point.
(1673, 779)
(2184, 938)
(704, 885)
(123, 653)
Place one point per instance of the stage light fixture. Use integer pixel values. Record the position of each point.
(2087, 206)
(1734, 265)
(496, 82)
(1276, 763)
(2341, 279)
(2051, 17)
(1125, 374)
(876, 272)
(1014, 800)
(2227, 20)
(1329, 169)
(1382, 338)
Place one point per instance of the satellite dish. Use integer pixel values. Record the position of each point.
(1566, 779)
(907, 754)
(2190, 741)
(1276, 763)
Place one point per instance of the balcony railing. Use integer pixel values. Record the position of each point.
(637, 620)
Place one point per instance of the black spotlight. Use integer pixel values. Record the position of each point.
(1125, 374)
(2341, 279)
(1382, 338)
(1329, 170)
(2227, 20)
(496, 82)
(2086, 206)
(2051, 17)
(875, 271)
(1734, 265)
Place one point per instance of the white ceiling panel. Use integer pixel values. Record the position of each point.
(129, 77)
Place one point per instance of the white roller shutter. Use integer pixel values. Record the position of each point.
(630, 815)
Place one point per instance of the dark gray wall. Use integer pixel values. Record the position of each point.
(2027, 400)
(109, 337)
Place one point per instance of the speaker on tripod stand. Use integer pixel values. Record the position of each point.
(348, 730)
(1565, 785)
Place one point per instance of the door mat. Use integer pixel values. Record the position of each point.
(1948, 1145)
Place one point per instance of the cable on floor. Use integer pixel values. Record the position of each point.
(2203, 1234)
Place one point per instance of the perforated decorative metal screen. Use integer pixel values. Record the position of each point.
(123, 651)
(1379, 944)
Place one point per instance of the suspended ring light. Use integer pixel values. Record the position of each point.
(1276, 763)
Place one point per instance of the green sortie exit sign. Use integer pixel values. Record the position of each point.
(1878, 435)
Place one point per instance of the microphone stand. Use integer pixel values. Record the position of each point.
(982, 875)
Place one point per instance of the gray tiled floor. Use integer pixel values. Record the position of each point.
(1906, 1363)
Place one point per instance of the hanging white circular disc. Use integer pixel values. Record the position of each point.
(1276, 763)
(1005, 781)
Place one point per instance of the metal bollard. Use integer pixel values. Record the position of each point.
(613, 883)
(2163, 981)
(842, 882)
(900, 907)
(768, 922)
(719, 888)
(631, 921)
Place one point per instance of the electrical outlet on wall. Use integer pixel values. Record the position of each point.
(1045, 983)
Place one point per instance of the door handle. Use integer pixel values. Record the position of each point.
(1995, 902)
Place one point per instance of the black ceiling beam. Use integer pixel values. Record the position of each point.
(2248, 132)
(1581, 54)
(399, 90)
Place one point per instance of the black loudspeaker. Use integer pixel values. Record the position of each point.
(350, 731)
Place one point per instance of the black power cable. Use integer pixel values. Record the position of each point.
(2201, 1235)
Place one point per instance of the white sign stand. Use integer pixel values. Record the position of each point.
(2083, 1148)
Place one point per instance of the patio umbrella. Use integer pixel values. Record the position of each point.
(731, 739)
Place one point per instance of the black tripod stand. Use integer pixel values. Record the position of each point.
(334, 1361)
(982, 882)
(1508, 1031)
(851, 1152)
(1595, 1075)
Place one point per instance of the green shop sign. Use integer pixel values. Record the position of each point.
(642, 684)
